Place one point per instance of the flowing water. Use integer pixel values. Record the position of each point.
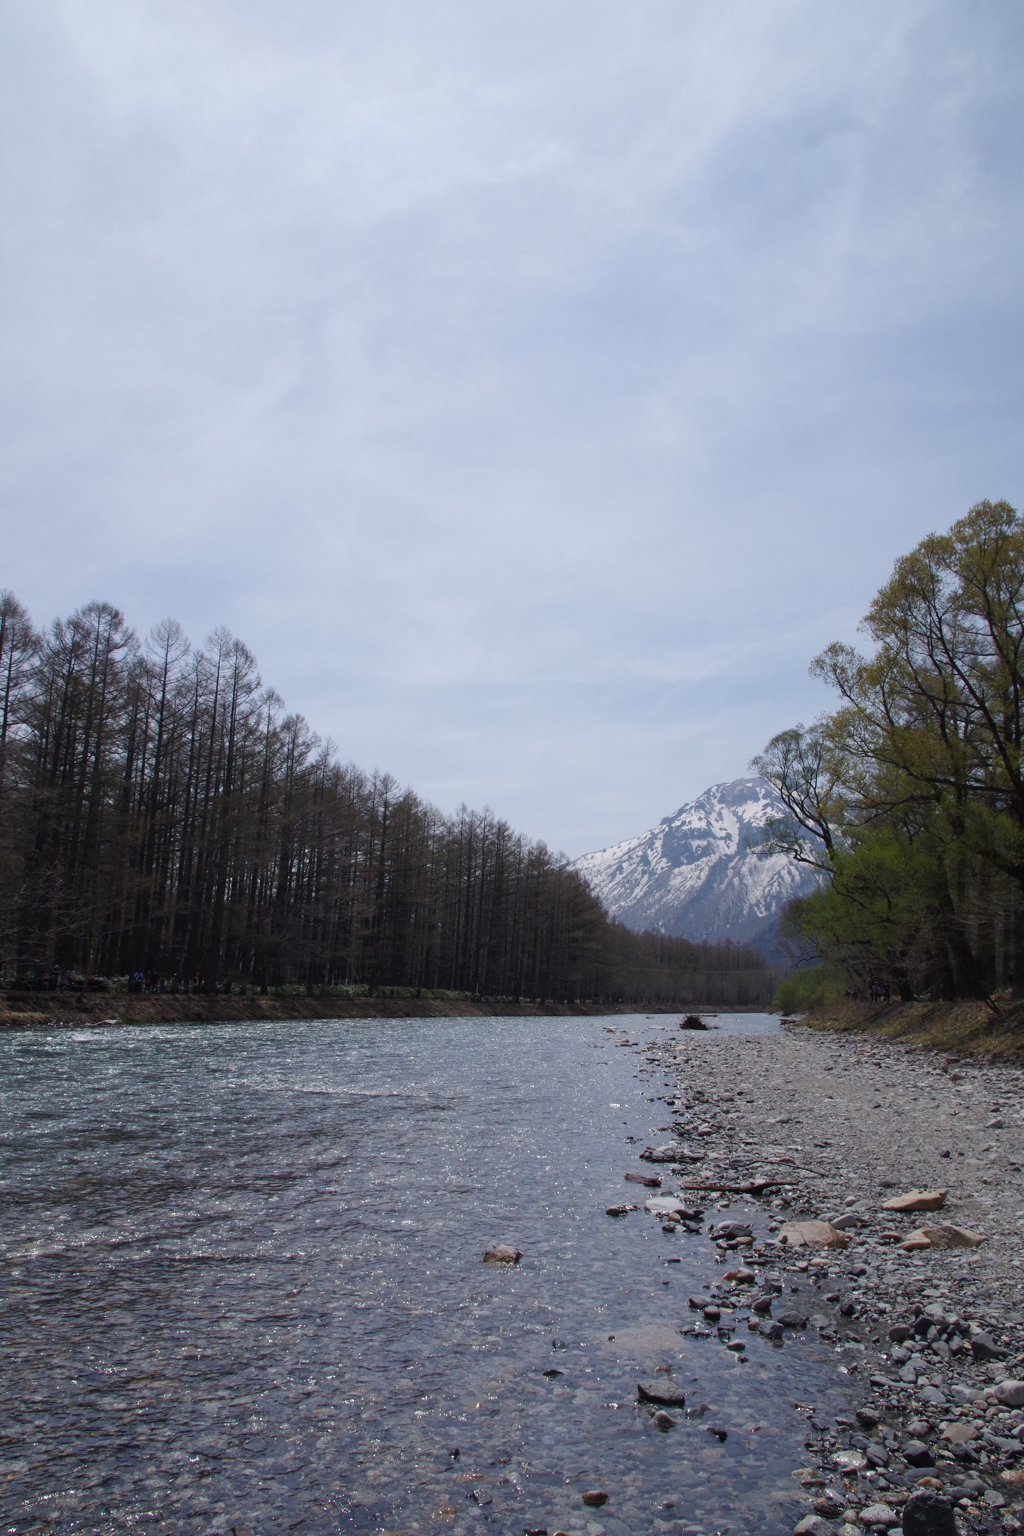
(241, 1285)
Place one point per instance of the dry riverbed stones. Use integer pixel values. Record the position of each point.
(927, 1323)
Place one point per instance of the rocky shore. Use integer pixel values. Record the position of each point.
(34, 1010)
(772, 1133)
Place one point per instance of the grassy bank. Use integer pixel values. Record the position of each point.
(960, 1029)
(24, 1010)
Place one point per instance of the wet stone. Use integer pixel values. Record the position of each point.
(661, 1392)
(917, 1454)
(928, 1514)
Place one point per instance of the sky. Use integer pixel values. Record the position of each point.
(534, 387)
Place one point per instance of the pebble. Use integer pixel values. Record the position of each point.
(595, 1497)
(984, 1346)
(813, 1525)
(918, 1333)
(793, 1320)
(879, 1514)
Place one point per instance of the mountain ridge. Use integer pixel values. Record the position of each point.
(696, 874)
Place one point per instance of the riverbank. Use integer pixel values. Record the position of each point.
(835, 1124)
(37, 1009)
(970, 1029)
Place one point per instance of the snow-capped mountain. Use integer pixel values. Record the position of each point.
(696, 875)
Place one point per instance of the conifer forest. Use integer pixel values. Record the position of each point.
(162, 814)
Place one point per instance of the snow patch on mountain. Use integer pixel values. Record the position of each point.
(696, 875)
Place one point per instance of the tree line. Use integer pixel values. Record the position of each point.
(908, 799)
(163, 814)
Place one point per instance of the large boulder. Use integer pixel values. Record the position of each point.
(928, 1514)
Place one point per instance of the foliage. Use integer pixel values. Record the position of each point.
(162, 813)
(909, 799)
(804, 988)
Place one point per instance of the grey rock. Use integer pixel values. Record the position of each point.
(1010, 1393)
(961, 1394)
(793, 1320)
(771, 1331)
(661, 1392)
(879, 1514)
(984, 1346)
(813, 1525)
(728, 1231)
(1003, 1443)
(917, 1454)
(928, 1514)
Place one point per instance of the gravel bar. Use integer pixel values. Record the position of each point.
(828, 1128)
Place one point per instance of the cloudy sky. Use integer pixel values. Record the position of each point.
(534, 386)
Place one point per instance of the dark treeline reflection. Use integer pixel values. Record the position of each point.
(161, 811)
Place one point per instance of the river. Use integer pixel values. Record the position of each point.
(241, 1286)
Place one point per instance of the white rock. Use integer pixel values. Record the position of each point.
(878, 1514)
(813, 1525)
